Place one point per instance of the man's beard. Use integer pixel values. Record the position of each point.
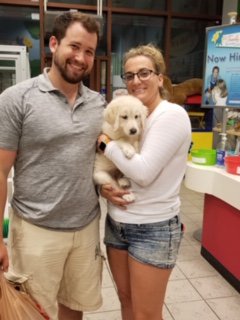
(69, 76)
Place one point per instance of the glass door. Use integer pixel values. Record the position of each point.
(14, 65)
(7, 74)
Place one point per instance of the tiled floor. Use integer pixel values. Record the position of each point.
(196, 291)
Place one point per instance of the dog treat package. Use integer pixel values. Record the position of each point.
(16, 304)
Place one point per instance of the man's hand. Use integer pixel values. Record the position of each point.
(3, 257)
(114, 195)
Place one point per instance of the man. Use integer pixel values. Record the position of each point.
(48, 130)
(211, 83)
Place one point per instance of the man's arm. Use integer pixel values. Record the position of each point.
(7, 159)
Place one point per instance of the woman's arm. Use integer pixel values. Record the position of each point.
(166, 134)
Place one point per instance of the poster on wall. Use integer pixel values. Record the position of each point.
(221, 83)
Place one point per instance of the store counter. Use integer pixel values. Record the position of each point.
(220, 243)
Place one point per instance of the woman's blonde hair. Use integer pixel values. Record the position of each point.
(154, 54)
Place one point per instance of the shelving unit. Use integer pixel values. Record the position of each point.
(231, 132)
(201, 120)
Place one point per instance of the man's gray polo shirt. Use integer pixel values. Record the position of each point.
(53, 184)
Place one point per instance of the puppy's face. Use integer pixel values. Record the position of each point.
(126, 113)
(129, 120)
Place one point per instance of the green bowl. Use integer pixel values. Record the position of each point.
(205, 157)
(5, 228)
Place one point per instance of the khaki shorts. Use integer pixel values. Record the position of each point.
(64, 267)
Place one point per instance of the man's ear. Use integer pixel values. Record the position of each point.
(53, 43)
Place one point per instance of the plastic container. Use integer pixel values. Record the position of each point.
(204, 156)
(232, 164)
(224, 149)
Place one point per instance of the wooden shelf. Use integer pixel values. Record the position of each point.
(197, 117)
(231, 131)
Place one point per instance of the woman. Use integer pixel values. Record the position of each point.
(143, 237)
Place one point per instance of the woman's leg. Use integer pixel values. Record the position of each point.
(118, 261)
(148, 288)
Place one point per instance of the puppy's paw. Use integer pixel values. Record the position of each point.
(129, 197)
(103, 177)
(128, 151)
(124, 182)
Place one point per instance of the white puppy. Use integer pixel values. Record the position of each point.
(124, 119)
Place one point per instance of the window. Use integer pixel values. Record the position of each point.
(139, 4)
(187, 49)
(22, 25)
(204, 7)
(129, 31)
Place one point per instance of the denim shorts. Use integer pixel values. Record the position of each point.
(156, 244)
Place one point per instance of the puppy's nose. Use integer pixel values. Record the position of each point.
(133, 130)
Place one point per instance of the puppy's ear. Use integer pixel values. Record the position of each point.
(109, 113)
(116, 123)
(144, 114)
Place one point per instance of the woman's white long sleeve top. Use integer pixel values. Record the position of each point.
(157, 171)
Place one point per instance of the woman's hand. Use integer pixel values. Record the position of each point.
(114, 195)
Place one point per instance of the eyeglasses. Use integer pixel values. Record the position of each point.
(143, 74)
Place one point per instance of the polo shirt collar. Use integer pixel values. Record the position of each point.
(44, 82)
(46, 85)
